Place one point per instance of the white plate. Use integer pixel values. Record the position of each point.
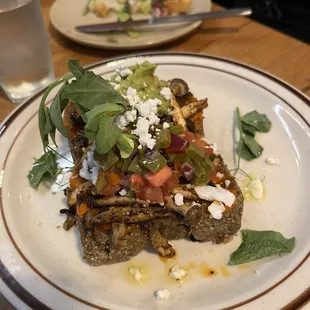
(43, 264)
(65, 23)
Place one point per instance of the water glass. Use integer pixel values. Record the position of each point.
(25, 57)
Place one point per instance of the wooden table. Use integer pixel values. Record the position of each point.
(236, 38)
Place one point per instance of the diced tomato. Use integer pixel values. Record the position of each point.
(151, 193)
(157, 179)
(188, 136)
(208, 151)
(136, 182)
(170, 184)
(214, 178)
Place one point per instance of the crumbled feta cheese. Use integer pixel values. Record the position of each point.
(62, 181)
(256, 189)
(137, 274)
(272, 161)
(219, 175)
(162, 294)
(216, 209)
(90, 169)
(215, 149)
(166, 125)
(132, 96)
(179, 199)
(227, 183)
(218, 193)
(118, 79)
(126, 118)
(123, 192)
(125, 72)
(142, 131)
(257, 271)
(144, 84)
(166, 93)
(177, 273)
(116, 86)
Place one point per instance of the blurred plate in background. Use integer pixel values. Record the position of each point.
(65, 15)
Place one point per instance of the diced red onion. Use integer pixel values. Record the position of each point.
(177, 142)
(187, 171)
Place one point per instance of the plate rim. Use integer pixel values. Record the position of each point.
(27, 297)
(191, 27)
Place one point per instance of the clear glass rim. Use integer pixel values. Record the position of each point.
(10, 9)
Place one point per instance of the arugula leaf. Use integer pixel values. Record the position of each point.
(75, 68)
(125, 145)
(107, 135)
(91, 90)
(257, 120)
(248, 129)
(57, 107)
(94, 116)
(253, 146)
(44, 166)
(260, 244)
(245, 152)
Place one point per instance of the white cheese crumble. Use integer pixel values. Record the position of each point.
(166, 93)
(137, 274)
(215, 148)
(166, 125)
(177, 273)
(162, 294)
(218, 193)
(216, 209)
(256, 189)
(272, 161)
(227, 183)
(61, 182)
(257, 272)
(142, 131)
(126, 118)
(219, 175)
(90, 168)
(118, 79)
(116, 86)
(125, 72)
(123, 192)
(179, 199)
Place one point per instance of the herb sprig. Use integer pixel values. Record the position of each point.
(99, 104)
(260, 244)
(252, 122)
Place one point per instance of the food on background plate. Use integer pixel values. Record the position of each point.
(143, 171)
(124, 9)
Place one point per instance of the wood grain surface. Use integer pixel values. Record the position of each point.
(237, 38)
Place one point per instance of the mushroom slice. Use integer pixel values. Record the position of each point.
(80, 190)
(124, 215)
(192, 108)
(178, 87)
(116, 201)
(160, 243)
(177, 115)
(185, 192)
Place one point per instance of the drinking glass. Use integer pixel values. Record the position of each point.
(25, 57)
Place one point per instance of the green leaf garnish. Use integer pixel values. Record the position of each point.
(46, 165)
(57, 107)
(125, 146)
(260, 244)
(91, 90)
(75, 68)
(107, 135)
(259, 121)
